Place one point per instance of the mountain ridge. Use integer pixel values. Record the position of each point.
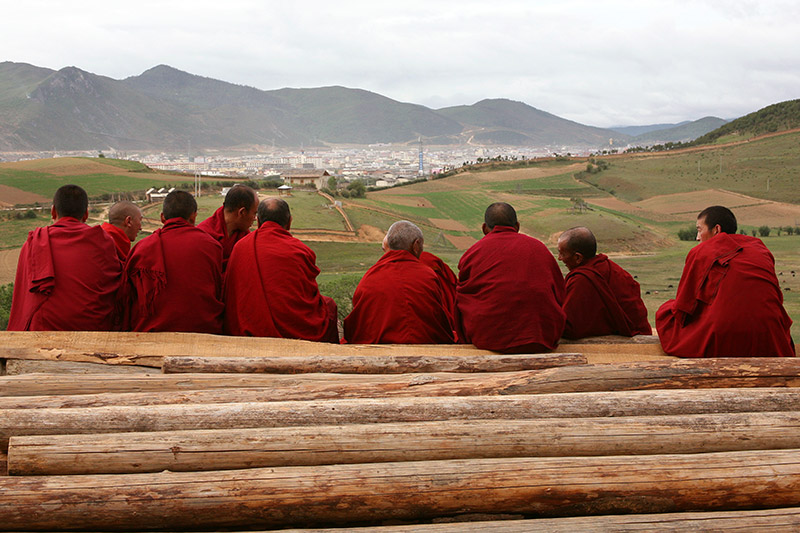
(165, 108)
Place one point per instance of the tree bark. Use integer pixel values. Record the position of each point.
(184, 416)
(192, 451)
(368, 364)
(347, 494)
(677, 374)
(771, 520)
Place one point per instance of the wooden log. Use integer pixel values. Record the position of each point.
(148, 349)
(691, 373)
(347, 494)
(28, 366)
(3, 464)
(372, 364)
(786, 520)
(175, 417)
(191, 451)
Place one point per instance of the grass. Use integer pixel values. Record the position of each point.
(13, 233)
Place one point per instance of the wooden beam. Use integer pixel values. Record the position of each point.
(364, 493)
(677, 374)
(371, 364)
(786, 520)
(184, 416)
(191, 451)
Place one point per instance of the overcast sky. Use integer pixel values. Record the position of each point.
(600, 63)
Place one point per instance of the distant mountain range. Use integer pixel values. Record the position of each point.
(167, 109)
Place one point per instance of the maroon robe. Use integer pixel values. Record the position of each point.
(216, 227)
(271, 289)
(173, 281)
(729, 303)
(67, 279)
(399, 300)
(603, 299)
(510, 292)
(121, 240)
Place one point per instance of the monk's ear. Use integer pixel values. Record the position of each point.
(163, 219)
(53, 213)
(578, 258)
(485, 229)
(289, 224)
(85, 216)
(192, 218)
(516, 227)
(416, 248)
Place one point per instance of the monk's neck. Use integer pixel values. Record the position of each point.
(230, 223)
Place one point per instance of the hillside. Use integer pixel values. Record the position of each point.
(774, 118)
(501, 121)
(684, 132)
(167, 109)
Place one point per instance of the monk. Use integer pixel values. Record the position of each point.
(124, 224)
(173, 278)
(68, 273)
(510, 289)
(400, 300)
(729, 303)
(601, 298)
(231, 222)
(271, 283)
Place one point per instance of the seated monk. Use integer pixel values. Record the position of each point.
(232, 221)
(446, 276)
(400, 300)
(510, 289)
(729, 303)
(173, 278)
(601, 298)
(68, 273)
(124, 224)
(271, 283)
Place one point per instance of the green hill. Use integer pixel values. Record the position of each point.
(774, 118)
(681, 133)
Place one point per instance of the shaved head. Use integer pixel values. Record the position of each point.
(405, 235)
(120, 210)
(179, 204)
(581, 240)
(71, 201)
(500, 214)
(274, 210)
(239, 196)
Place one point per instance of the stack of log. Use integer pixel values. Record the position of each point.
(122, 431)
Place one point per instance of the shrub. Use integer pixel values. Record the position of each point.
(688, 234)
(341, 290)
(5, 304)
(763, 231)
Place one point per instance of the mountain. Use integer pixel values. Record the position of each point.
(686, 131)
(502, 121)
(776, 117)
(167, 109)
(634, 131)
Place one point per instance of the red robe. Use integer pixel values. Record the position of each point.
(447, 277)
(271, 289)
(399, 300)
(216, 227)
(603, 299)
(67, 279)
(121, 240)
(510, 292)
(173, 281)
(729, 303)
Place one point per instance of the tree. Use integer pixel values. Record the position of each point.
(357, 189)
(763, 231)
(332, 182)
(789, 230)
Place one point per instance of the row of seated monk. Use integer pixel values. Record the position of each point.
(509, 296)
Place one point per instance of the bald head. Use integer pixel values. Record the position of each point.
(275, 210)
(126, 216)
(499, 214)
(405, 235)
(576, 246)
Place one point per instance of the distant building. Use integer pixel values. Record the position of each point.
(154, 194)
(304, 178)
